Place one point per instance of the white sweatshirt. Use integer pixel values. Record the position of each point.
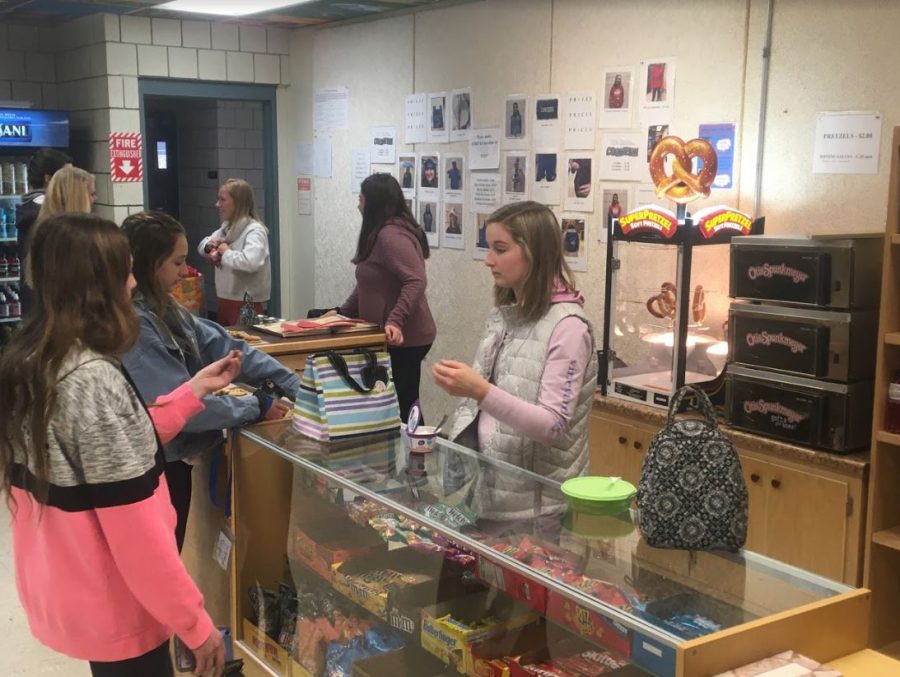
(246, 266)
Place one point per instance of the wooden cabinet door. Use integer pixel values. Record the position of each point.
(638, 444)
(754, 478)
(806, 520)
(609, 440)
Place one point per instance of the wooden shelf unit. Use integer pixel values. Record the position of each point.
(882, 561)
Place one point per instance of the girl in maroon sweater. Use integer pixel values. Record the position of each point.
(390, 282)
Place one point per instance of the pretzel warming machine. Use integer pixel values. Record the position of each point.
(661, 331)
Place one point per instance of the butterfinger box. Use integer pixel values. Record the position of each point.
(447, 636)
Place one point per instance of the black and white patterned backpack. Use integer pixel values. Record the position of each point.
(692, 494)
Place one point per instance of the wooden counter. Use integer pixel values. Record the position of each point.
(807, 507)
(206, 520)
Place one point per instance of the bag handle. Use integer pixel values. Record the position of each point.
(705, 405)
(340, 366)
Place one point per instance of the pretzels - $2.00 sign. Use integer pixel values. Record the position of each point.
(682, 185)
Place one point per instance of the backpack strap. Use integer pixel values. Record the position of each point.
(705, 405)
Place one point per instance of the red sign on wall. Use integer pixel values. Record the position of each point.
(125, 162)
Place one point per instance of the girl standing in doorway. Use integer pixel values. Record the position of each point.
(239, 249)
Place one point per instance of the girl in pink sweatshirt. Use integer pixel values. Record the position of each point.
(97, 568)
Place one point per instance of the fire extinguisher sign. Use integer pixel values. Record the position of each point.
(125, 161)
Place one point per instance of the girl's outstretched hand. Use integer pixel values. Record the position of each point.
(217, 375)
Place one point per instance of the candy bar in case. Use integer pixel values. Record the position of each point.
(832, 416)
(837, 346)
(824, 271)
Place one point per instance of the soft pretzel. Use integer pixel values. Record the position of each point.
(663, 304)
(698, 305)
(682, 186)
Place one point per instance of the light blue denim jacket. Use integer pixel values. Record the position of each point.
(157, 366)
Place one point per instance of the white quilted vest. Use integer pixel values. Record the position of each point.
(512, 355)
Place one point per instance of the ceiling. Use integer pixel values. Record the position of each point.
(310, 13)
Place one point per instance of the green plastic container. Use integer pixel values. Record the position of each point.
(598, 495)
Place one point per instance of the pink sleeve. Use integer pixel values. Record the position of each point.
(143, 546)
(170, 412)
(568, 355)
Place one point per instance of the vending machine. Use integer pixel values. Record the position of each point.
(22, 133)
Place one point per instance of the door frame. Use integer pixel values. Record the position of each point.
(264, 94)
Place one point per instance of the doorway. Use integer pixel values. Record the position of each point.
(197, 135)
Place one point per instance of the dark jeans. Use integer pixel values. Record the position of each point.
(178, 477)
(155, 663)
(406, 363)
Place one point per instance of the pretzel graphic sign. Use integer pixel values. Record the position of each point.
(682, 185)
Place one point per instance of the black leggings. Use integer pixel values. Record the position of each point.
(178, 477)
(406, 364)
(154, 663)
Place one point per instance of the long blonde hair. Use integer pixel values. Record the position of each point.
(244, 200)
(535, 229)
(69, 190)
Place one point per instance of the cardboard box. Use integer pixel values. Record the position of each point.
(491, 657)
(267, 649)
(298, 670)
(586, 623)
(408, 662)
(513, 584)
(397, 605)
(322, 544)
(450, 641)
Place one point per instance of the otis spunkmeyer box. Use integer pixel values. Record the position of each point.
(832, 345)
(812, 412)
(841, 272)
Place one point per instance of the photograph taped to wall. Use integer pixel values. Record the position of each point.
(616, 102)
(454, 178)
(453, 231)
(546, 186)
(429, 176)
(574, 240)
(460, 114)
(547, 124)
(622, 157)
(579, 183)
(615, 201)
(655, 134)
(416, 120)
(515, 177)
(657, 91)
(480, 236)
(411, 206)
(407, 173)
(429, 219)
(438, 121)
(515, 122)
(581, 119)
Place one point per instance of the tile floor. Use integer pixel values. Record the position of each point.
(20, 654)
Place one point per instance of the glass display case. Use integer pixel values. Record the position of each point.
(359, 558)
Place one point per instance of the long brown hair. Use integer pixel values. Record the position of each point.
(81, 265)
(384, 202)
(535, 229)
(152, 236)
